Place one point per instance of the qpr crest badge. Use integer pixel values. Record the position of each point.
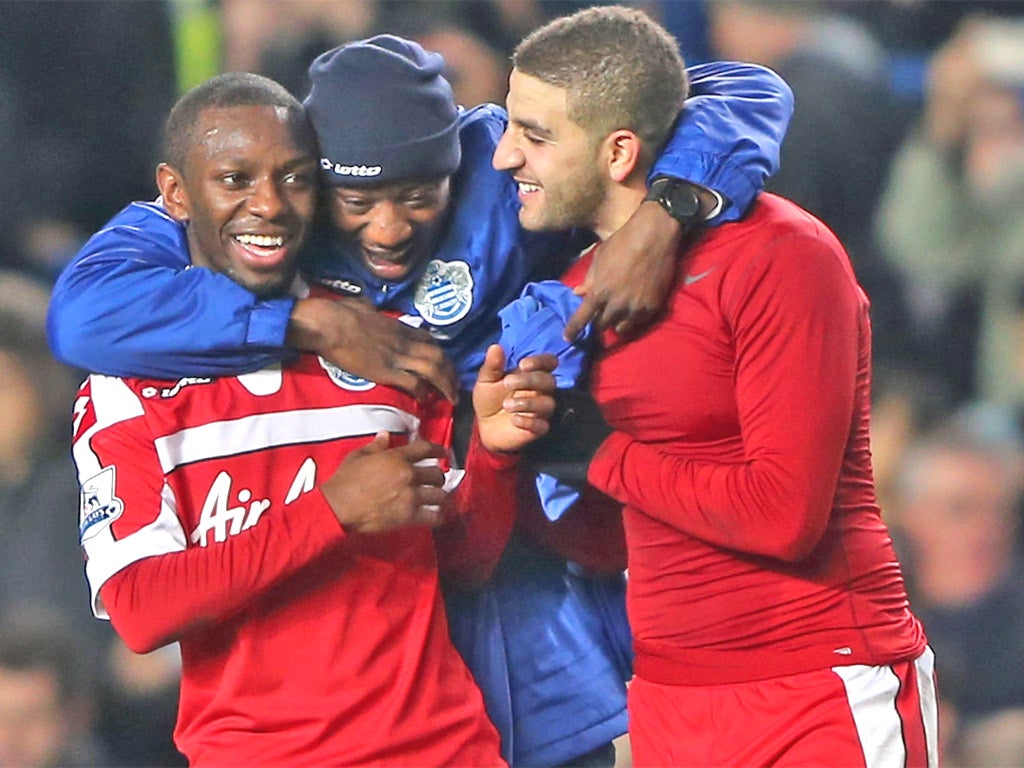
(445, 292)
(344, 379)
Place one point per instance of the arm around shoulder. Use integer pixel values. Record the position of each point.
(129, 304)
(730, 132)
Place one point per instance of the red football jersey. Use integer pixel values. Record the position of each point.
(301, 644)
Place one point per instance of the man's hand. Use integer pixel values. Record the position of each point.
(633, 270)
(377, 488)
(353, 335)
(514, 409)
(631, 274)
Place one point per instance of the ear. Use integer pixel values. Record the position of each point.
(623, 154)
(172, 189)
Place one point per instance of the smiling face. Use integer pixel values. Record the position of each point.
(553, 160)
(394, 225)
(247, 193)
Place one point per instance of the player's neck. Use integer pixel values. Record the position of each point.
(618, 206)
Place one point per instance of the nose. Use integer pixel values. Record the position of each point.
(507, 156)
(266, 200)
(388, 227)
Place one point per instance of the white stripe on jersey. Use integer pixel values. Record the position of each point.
(112, 401)
(266, 430)
(107, 555)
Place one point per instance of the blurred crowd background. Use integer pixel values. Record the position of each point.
(907, 140)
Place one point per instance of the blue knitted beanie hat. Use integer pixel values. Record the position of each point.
(383, 112)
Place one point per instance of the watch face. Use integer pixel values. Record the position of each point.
(682, 202)
(678, 198)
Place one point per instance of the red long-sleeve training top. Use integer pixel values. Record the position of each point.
(756, 546)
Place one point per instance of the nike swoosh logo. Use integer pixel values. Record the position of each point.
(691, 279)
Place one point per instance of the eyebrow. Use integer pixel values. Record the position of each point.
(529, 125)
(298, 162)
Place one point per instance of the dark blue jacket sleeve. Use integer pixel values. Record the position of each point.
(129, 304)
(730, 132)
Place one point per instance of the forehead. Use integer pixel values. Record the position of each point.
(535, 104)
(248, 130)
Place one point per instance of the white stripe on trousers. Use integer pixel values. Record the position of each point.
(872, 692)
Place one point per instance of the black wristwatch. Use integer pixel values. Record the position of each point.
(679, 198)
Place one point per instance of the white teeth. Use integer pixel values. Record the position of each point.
(262, 241)
(527, 188)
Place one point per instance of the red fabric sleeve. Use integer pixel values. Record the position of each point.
(481, 511)
(795, 317)
(156, 600)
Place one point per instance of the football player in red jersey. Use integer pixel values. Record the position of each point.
(770, 621)
(288, 526)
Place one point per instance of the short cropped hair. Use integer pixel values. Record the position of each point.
(232, 89)
(619, 68)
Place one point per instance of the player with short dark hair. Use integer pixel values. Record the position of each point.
(287, 526)
(770, 620)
